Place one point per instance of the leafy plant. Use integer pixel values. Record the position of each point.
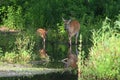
(9, 57)
(104, 56)
(22, 51)
(1, 50)
(14, 18)
(12, 57)
(24, 45)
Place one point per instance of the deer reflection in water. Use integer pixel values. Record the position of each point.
(71, 60)
(43, 54)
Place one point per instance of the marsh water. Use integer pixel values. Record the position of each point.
(50, 55)
(51, 76)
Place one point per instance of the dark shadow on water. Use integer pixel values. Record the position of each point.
(71, 59)
(51, 55)
(51, 76)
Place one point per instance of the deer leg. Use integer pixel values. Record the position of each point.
(70, 41)
(76, 37)
(76, 50)
(44, 43)
(70, 48)
(66, 62)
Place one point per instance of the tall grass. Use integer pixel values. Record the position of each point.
(22, 52)
(104, 56)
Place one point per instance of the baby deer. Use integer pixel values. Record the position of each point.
(43, 54)
(42, 32)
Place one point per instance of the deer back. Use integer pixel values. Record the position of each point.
(42, 32)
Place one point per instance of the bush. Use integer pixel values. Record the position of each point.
(21, 53)
(12, 57)
(9, 57)
(14, 19)
(104, 56)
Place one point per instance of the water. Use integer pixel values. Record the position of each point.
(52, 56)
(49, 55)
(52, 76)
(54, 53)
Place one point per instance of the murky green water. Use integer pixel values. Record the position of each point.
(53, 76)
(56, 53)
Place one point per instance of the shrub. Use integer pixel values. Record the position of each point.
(14, 18)
(9, 57)
(104, 56)
(1, 50)
(12, 57)
(22, 51)
(24, 47)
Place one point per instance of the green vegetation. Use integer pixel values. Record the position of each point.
(21, 53)
(99, 41)
(14, 18)
(104, 57)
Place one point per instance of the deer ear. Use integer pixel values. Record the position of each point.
(69, 21)
(63, 19)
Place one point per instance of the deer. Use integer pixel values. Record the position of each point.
(71, 60)
(72, 27)
(42, 32)
(43, 54)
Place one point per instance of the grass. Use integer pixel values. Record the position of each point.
(104, 56)
(21, 51)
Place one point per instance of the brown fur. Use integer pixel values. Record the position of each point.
(43, 53)
(71, 60)
(42, 32)
(72, 27)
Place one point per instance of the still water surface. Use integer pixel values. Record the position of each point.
(52, 54)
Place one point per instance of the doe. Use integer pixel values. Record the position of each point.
(72, 27)
(71, 60)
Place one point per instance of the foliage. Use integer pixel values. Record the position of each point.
(14, 18)
(24, 46)
(32, 14)
(24, 43)
(104, 57)
(117, 23)
(47, 13)
(9, 57)
(28, 15)
(7, 41)
(12, 57)
(22, 52)
(1, 50)
(61, 31)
